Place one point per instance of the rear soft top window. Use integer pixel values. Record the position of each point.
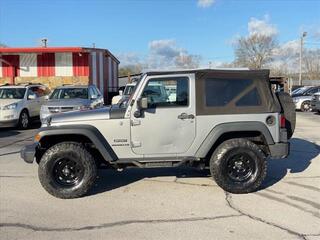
(220, 92)
(234, 92)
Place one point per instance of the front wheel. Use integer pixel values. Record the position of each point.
(24, 120)
(67, 170)
(238, 166)
(306, 106)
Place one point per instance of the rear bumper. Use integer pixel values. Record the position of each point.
(279, 150)
(28, 152)
(282, 148)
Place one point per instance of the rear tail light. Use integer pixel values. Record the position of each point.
(282, 121)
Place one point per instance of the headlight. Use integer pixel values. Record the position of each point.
(10, 106)
(46, 122)
(44, 109)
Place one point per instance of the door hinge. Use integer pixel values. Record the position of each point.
(135, 122)
(135, 144)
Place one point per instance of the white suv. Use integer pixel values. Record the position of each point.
(19, 104)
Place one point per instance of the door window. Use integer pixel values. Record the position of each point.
(40, 91)
(167, 92)
(31, 92)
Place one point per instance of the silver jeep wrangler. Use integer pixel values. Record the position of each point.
(227, 120)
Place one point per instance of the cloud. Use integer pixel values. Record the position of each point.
(261, 27)
(129, 58)
(205, 3)
(163, 54)
(166, 48)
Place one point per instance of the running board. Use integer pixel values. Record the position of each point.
(155, 163)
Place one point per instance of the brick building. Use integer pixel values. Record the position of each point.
(55, 66)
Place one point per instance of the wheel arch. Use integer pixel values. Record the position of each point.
(255, 131)
(85, 134)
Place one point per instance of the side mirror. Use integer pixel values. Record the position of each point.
(142, 103)
(93, 97)
(120, 92)
(32, 96)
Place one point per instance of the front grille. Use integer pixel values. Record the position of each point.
(59, 109)
(66, 109)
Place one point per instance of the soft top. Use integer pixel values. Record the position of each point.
(242, 73)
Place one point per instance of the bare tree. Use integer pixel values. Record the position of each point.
(312, 64)
(130, 70)
(254, 51)
(187, 61)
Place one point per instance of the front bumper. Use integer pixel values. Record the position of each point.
(315, 105)
(28, 152)
(9, 123)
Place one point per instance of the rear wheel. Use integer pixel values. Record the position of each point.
(67, 170)
(24, 119)
(306, 106)
(238, 166)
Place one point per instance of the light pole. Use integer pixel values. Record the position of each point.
(304, 34)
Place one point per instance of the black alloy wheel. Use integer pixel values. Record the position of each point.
(238, 166)
(68, 172)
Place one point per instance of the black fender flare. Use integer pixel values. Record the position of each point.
(223, 128)
(88, 131)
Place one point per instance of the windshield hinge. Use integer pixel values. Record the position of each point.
(135, 144)
(135, 122)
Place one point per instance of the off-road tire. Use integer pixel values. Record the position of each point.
(222, 156)
(77, 153)
(289, 110)
(24, 119)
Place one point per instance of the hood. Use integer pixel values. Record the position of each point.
(297, 95)
(66, 102)
(87, 115)
(5, 102)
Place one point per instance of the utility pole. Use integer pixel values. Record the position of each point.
(304, 34)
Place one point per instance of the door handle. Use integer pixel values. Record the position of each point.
(185, 116)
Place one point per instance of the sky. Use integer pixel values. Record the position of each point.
(158, 31)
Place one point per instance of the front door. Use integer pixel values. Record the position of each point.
(168, 125)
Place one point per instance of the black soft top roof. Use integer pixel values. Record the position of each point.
(242, 73)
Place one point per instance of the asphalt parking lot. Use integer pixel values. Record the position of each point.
(178, 203)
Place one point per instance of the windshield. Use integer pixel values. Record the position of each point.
(123, 103)
(300, 90)
(128, 90)
(70, 93)
(12, 93)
